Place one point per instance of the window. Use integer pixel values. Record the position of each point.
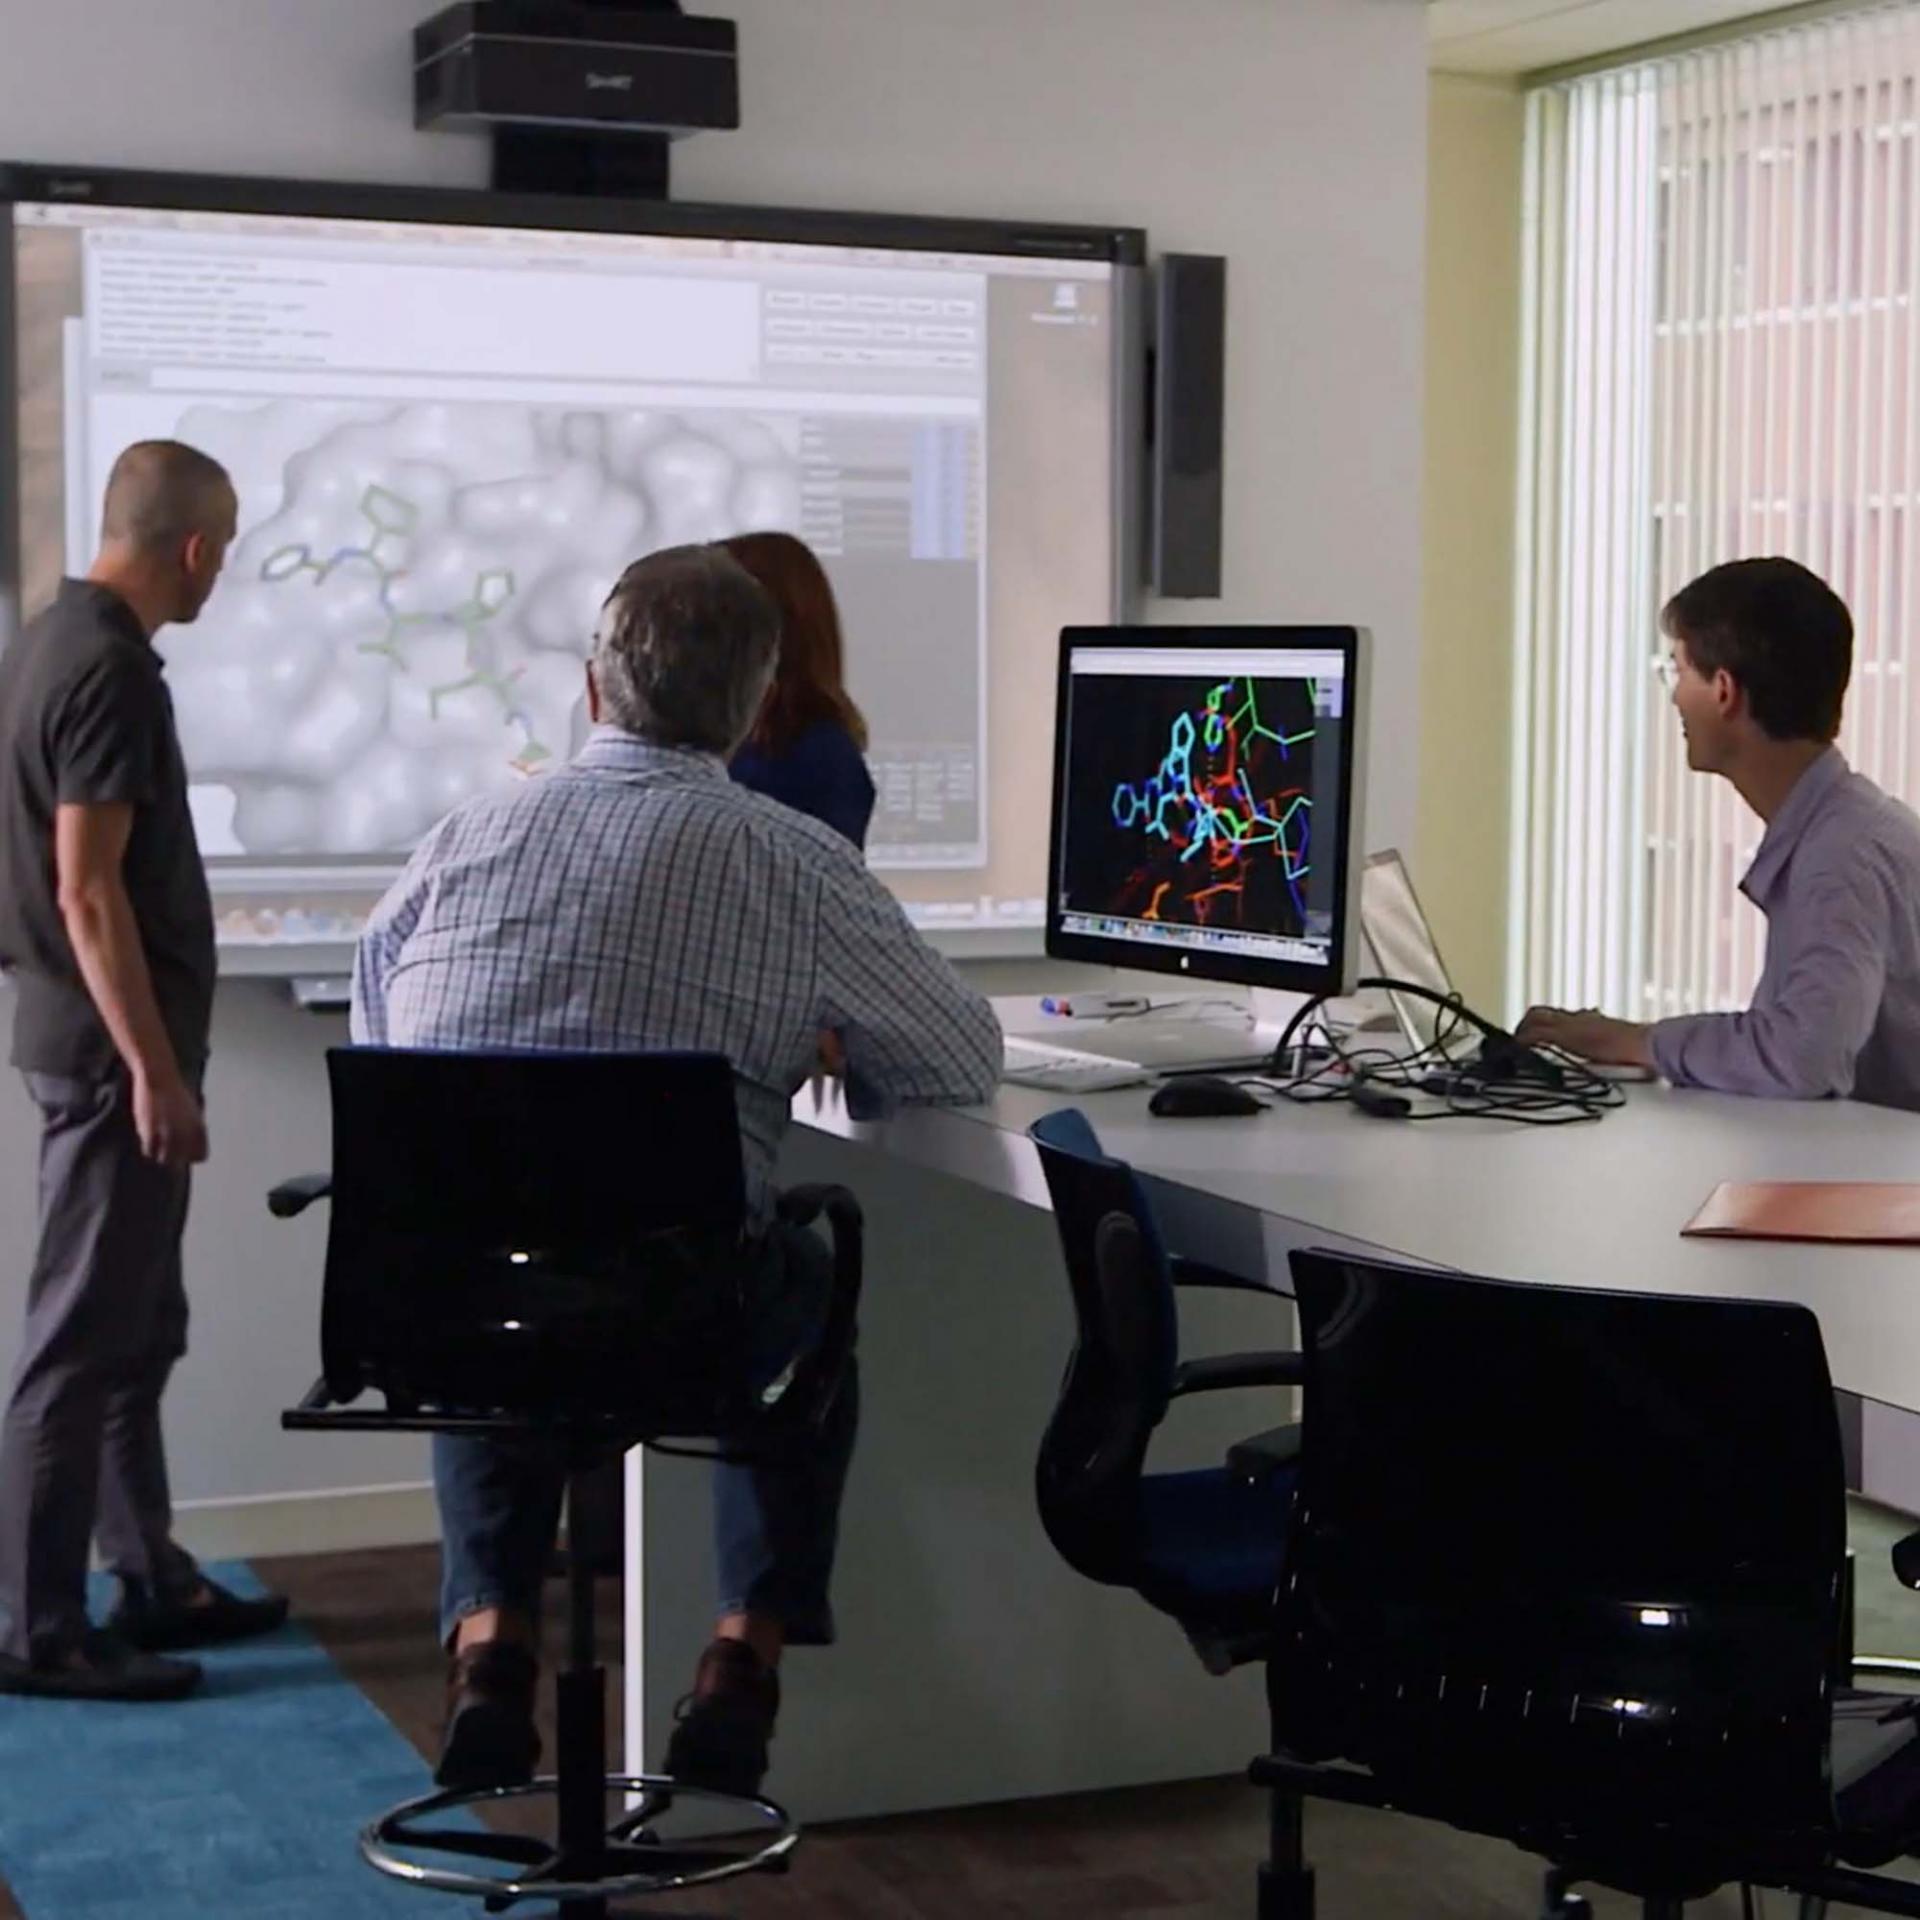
(1722, 359)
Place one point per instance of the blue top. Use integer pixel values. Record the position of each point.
(822, 773)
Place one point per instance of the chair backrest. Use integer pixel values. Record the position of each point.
(532, 1233)
(1119, 1377)
(1565, 1565)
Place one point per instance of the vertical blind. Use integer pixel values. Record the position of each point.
(1721, 359)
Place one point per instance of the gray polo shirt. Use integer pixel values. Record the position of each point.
(86, 719)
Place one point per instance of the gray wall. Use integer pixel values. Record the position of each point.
(1288, 134)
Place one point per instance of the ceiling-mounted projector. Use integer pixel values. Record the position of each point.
(552, 63)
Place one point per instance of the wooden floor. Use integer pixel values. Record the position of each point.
(1172, 1853)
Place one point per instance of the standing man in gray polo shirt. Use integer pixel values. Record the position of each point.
(1761, 654)
(106, 931)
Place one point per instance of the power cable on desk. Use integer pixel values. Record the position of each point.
(1382, 1082)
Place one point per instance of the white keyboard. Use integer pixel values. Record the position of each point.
(1035, 1063)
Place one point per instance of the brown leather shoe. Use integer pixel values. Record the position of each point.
(207, 1616)
(490, 1739)
(725, 1724)
(100, 1667)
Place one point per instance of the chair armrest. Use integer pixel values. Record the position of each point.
(1906, 1560)
(317, 1398)
(1197, 1273)
(321, 1410)
(317, 1410)
(1225, 1370)
(295, 1196)
(1262, 1455)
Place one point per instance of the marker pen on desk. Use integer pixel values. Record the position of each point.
(1093, 1006)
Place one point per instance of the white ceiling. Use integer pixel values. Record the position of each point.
(1517, 36)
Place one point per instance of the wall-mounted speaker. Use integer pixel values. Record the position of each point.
(1187, 426)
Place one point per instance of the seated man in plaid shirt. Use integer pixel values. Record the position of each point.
(634, 899)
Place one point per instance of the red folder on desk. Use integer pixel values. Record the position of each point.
(1871, 1212)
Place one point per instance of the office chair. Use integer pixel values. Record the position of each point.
(1567, 1567)
(1205, 1547)
(557, 1245)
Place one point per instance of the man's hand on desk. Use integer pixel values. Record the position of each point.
(1588, 1035)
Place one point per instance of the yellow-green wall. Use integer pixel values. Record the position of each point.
(1476, 134)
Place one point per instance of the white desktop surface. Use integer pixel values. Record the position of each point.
(1599, 1204)
(975, 1665)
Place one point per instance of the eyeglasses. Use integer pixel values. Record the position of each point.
(1666, 670)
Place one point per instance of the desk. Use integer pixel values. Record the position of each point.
(974, 1667)
(1596, 1205)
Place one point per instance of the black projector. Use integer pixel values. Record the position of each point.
(549, 63)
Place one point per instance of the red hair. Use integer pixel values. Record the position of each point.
(809, 685)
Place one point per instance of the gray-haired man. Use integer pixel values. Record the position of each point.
(633, 899)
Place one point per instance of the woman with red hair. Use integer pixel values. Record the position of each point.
(807, 749)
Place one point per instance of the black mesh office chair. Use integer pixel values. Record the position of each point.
(1205, 1547)
(1568, 1567)
(1202, 1546)
(557, 1244)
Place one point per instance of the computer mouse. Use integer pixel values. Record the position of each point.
(1201, 1096)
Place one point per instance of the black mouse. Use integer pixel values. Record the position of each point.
(1201, 1096)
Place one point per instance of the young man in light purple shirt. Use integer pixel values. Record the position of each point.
(1761, 654)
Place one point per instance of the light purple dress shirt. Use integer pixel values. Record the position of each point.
(1837, 1011)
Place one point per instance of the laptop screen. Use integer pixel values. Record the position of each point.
(1400, 946)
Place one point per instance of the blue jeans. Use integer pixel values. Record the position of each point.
(776, 1522)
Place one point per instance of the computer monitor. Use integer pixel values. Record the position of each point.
(1206, 802)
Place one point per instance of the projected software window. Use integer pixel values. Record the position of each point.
(449, 442)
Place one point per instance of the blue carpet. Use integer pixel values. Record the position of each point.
(246, 1799)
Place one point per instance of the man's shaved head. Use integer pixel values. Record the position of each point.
(170, 515)
(162, 492)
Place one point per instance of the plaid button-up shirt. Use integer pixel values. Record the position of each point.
(636, 898)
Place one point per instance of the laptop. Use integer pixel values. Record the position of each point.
(1399, 945)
